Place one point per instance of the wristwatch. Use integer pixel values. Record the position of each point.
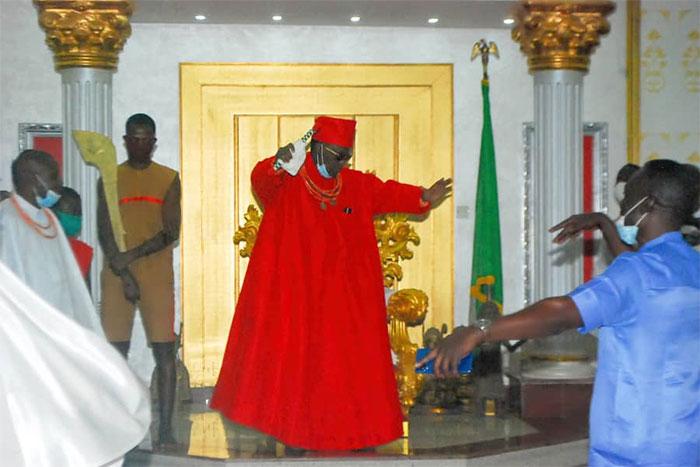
(483, 325)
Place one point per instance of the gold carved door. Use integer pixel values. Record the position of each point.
(233, 115)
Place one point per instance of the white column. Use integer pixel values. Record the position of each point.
(87, 105)
(557, 177)
(557, 194)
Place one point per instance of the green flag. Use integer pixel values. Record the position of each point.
(487, 274)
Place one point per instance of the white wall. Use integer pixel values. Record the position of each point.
(30, 90)
(147, 81)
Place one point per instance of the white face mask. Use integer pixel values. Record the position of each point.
(321, 166)
(619, 191)
(48, 200)
(628, 233)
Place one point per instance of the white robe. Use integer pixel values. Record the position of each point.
(46, 265)
(67, 398)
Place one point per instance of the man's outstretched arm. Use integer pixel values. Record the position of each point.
(571, 227)
(544, 318)
(392, 196)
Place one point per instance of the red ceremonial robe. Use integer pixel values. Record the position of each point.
(308, 358)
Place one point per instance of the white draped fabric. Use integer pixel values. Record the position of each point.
(46, 265)
(67, 398)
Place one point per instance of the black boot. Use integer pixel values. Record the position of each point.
(164, 353)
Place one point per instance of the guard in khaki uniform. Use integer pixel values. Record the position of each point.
(149, 203)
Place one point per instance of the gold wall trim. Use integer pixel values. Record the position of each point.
(85, 33)
(633, 72)
(306, 65)
(234, 114)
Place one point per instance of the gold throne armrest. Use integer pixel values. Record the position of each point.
(406, 308)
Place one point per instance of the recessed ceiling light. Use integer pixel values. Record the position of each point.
(508, 21)
(433, 20)
(200, 17)
(355, 19)
(277, 18)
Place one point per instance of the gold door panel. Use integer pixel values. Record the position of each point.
(234, 115)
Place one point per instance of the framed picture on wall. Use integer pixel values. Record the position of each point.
(595, 185)
(47, 137)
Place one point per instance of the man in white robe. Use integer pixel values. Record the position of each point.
(33, 244)
(67, 398)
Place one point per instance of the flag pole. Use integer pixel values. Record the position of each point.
(487, 269)
(487, 281)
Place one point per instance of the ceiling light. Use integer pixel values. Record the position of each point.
(433, 20)
(277, 18)
(200, 17)
(508, 21)
(355, 19)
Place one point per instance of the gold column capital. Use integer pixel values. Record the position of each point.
(560, 34)
(85, 33)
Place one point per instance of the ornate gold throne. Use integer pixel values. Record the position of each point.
(406, 307)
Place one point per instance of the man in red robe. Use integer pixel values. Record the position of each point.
(308, 358)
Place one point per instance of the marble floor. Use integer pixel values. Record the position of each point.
(203, 435)
(571, 454)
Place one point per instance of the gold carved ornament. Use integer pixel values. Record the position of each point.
(393, 236)
(557, 34)
(406, 308)
(84, 33)
(248, 232)
(483, 48)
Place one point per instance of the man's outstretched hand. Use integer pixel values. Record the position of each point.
(453, 348)
(438, 192)
(571, 226)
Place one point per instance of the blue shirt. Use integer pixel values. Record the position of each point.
(646, 398)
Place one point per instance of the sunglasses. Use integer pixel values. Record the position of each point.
(339, 156)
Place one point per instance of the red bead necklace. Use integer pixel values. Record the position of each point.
(38, 228)
(324, 196)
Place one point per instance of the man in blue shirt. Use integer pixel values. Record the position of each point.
(646, 400)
